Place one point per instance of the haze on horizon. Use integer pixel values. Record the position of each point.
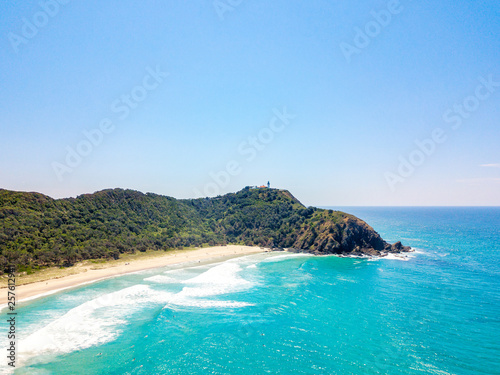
(342, 103)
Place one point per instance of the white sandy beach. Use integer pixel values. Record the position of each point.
(89, 275)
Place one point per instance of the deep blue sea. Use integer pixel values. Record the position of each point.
(434, 312)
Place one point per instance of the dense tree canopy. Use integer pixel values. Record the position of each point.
(38, 231)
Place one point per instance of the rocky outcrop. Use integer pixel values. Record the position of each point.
(350, 237)
(38, 231)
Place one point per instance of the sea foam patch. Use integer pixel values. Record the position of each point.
(394, 256)
(279, 258)
(162, 279)
(219, 280)
(92, 323)
(99, 320)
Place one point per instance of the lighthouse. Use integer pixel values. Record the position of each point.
(268, 185)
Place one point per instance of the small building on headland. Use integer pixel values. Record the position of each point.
(268, 186)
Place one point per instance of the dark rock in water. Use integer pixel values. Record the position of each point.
(398, 248)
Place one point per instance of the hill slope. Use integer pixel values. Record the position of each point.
(37, 231)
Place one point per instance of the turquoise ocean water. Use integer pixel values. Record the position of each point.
(435, 312)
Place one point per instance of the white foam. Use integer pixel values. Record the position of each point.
(202, 303)
(181, 271)
(37, 296)
(98, 321)
(278, 258)
(225, 274)
(394, 256)
(92, 323)
(219, 280)
(341, 278)
(417, 250)
(162, 279)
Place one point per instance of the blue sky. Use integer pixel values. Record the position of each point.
(342, 103)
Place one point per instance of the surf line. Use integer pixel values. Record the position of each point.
(11, 335)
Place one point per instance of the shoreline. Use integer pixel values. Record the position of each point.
(90, 275)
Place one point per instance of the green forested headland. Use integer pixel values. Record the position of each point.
(38, 231)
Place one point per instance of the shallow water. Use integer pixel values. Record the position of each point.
(435, 312)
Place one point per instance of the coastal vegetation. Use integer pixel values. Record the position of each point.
(37, 231)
